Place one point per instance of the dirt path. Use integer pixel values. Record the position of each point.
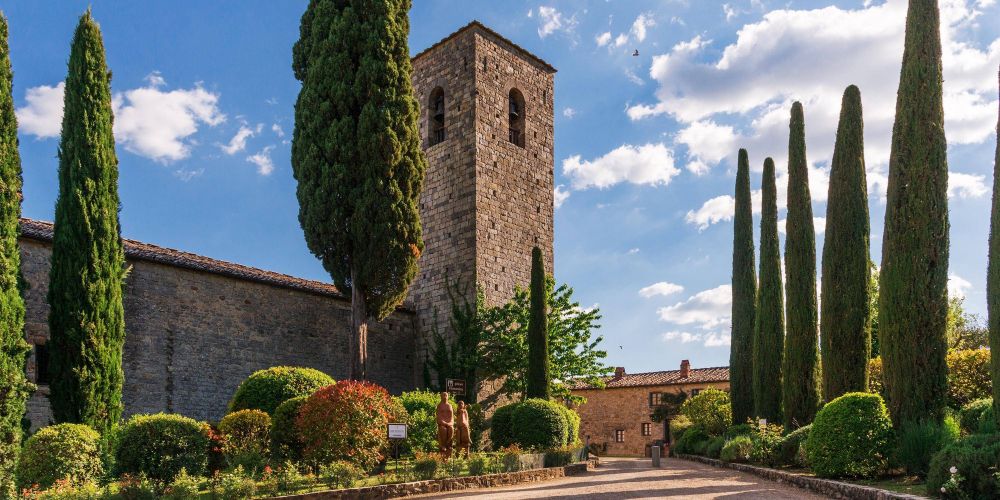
(635, 478)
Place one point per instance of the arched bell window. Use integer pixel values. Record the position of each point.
(436, 107)
(515, 117)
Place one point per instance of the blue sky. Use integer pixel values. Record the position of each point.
(645, 146)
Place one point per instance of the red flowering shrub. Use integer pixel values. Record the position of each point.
(347, 422)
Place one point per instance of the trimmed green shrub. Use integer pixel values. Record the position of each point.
(558, 457)
(421, 406)
(160, 445)
(851, 437)
(789, 450)
(285, 441)
(235, 485)
(690, 442)
(679, 425)
(975, 457)
(478, 464)
(968, 376)
(57, 452)
(539, 424)
(266, 389)
(246, 434)
(766, 443)
(971, 413)
(340, 474)
(183, 487)
(426, 466)
(987, 422)
(738, 430)
(714, 447)
(501, 432)
(710, 410)
(918, 442)
(737, 450)
(573, 425)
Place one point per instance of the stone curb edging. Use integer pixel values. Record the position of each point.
(835, 489)
(439, 485)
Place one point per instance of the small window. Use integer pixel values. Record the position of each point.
(437, 116)
(515, 117)
(646, 429)
(655, 398)
(694, 392)
(41, 364)
(619, 435)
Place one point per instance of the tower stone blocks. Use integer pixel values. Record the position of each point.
(488, 193)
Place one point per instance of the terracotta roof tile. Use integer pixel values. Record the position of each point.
(669, 377)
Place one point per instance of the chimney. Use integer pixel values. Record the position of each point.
(619, 372)
(685, 368)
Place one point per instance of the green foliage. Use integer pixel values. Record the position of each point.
(421, 407)
(234, 485)
(572, 425)
(737, 450)
(846, 304)
(539, 424)
(988, 422)
(972, 413)
(875, 385)
(478, 464)
(137, 487)
(851, 437)
(559, 457)
(766, 444)
(340, 474)
(690, 442)
(160, 445)
(63, 451)
(918, 442)
(965, 330)
(873, 308)
(247, 437)
(975, 459)
(678, 426)
(790, 450)
(769, 323)
(913, 301)
(800, 368)
(347, 422)
(459, 357)
(573, 354)
(969, 376)
(14, 387)
(285, 441)
(710, 410)
(714, 448)
(669, 407)
(744, 297)
(537, 383)
(86, 316)
(426, 466)
(993, 276)
(66, 490)
(501, 426)
(183, 487)
(266, 389)
(738, 430)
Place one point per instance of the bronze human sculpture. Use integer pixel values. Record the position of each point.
(463, 436)
(446, 426)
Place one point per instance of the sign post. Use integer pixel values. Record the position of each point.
(396, 433)
(455, 386)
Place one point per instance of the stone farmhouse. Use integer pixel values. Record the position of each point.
(197, 326)
(617, 420)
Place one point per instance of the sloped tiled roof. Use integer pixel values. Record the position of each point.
(511, 45)
(669, 377)
(42, 231)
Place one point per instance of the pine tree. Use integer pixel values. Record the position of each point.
(913, 301)
(744, 297)
(993, 280)
(14, 387)
(356, 155)
(538, 338)
(800, 369)
(86, 317)
(769, 323)
(845, 321)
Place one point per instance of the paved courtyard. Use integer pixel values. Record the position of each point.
(635, 478)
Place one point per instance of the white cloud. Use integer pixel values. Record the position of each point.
(560, 194)
(632, 251)
(641, 24)
(621, 39)
(707, 309)
(958, 286)
(819, 225)
(239, 141)
(718, 209)
(716, 339)
(683, 337)
(650, 164)
(661, 288)
(280, 132)
(729, 11)
(708, 143)
(551, 20)
(708, 339)
(632, 77)
(603, 39)
(186, 175)
(263, 160)
(42, 115)
(966, 185)
(569, 112)
(157, 124)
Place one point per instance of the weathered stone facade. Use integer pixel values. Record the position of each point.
(624, 407)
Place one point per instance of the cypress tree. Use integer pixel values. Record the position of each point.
(744, 297)
(769, 323)
(356, 155)
(913, 301)
(86, 317)
(14, 388)
(844, 320)
(800, 369)
(993, 280)
(538, 336)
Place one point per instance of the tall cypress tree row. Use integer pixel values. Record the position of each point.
(800, 370)
(538, 332)
(993, 279)
(769, 323)
(844, 320)
(14, 388)
(744, 297)
(86, 318)
(356, 155)
(913, 301)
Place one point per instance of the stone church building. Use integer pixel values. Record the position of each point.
(197, 326)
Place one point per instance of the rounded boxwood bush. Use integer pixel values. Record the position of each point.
(266, 389)
(790, 446)
(286, 444)
(58, 452)
(971, 414)
(975, 458)
(573, 425)
(714, 448)
(501, 430)
(160, 445)
(737, 449)
(692, 442)
(247, 439)
(539, 424)
(851, 437)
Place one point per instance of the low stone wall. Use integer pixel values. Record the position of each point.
(833, 489)
(440, 485)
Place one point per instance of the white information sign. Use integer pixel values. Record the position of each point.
(397, 431)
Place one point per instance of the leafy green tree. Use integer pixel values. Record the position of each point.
(800, 371)
(710, 410)
(574, 353)
(744, 297)
(459, 357)
(873, 308)
(846, 283)
(965, 330)
(538, 339)
(913, 305)
(86, 317)
(14, 387)
(769, 323)
(993, 281)
(356, 155)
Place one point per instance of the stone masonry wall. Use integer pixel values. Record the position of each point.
(192, 336)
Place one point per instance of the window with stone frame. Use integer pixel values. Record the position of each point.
(436, 119)
(619, 435)
(515, 117)
(655, 398)
(647, 429)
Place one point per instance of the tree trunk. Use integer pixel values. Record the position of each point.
(358, 338)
